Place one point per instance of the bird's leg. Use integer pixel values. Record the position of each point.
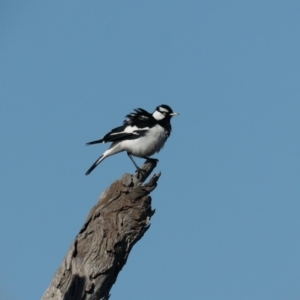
(137, 167)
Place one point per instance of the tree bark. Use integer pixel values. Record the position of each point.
(101, 248)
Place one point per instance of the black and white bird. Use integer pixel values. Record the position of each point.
(141, 135)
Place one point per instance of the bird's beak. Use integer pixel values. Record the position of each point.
(174, 114)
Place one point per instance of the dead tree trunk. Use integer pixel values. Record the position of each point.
(100, 250)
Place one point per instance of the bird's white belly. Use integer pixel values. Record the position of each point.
(146, 145)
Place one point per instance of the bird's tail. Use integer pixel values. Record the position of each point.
(95, 142)
(95, 164)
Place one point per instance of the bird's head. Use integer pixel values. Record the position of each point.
(164, 112)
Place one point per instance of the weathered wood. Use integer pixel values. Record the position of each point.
(100, 250)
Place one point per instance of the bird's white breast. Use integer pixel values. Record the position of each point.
(148, 144)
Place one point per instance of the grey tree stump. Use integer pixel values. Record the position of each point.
(101, 248)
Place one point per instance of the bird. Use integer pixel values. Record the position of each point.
(142, 134)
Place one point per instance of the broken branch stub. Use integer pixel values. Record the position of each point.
(100, 250)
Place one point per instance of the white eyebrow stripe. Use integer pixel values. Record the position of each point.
(163, 109)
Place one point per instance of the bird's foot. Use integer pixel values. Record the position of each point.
(139, 170)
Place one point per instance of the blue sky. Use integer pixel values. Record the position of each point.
(227, 205)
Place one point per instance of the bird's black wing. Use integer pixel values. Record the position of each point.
(140, 118)
(135, 125)
(121, 133)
